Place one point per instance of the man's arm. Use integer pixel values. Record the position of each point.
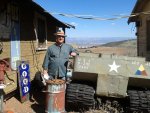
(73, 52)
(45, 63)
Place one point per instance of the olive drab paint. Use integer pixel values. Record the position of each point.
(113, 73)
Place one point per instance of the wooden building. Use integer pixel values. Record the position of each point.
(141, 11)
(26, 30)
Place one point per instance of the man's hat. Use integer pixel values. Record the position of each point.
(60, 33)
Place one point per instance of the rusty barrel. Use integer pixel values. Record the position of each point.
(55, 96)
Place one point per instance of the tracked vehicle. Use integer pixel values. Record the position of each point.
(110, 79)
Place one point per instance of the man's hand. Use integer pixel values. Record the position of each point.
(73, 54)
(45, 74)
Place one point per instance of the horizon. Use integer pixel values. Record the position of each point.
(99, 37)
(89, 42)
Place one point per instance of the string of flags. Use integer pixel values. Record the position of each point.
(91, 17)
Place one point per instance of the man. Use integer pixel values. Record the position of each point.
(56, 58)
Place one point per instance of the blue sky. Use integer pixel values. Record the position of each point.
(100, 8)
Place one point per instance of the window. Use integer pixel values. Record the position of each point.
(41, 34)
(40, 31)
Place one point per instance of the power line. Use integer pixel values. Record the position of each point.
(92, 17)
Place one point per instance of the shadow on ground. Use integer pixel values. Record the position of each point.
(39, 97)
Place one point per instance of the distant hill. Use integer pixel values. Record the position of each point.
(125, 43)
(93, 41)
(125, 47)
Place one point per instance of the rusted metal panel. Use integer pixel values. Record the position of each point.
(55, 97)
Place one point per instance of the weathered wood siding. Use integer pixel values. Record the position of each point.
(142, 33)
(142, 37)
(51, 29)
(26, 23)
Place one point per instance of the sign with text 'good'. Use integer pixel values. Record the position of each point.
(24, 79)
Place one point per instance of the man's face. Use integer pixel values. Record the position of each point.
(60, 39)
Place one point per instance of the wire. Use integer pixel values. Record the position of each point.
(92, 17)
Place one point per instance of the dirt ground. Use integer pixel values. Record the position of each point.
(34, 105)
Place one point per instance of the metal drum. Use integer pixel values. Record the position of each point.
(55, 97)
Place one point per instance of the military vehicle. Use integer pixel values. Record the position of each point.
(121, 82)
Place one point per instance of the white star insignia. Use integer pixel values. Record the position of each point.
(114, 67)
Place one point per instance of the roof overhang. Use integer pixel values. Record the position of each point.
(137, 9)
(48, 15)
